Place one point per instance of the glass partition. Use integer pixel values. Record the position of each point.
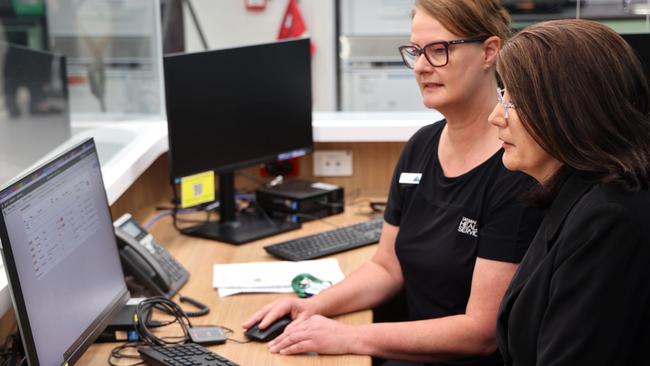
(372, 76)
(114, 57)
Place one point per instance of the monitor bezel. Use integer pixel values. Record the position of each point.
(91, 333)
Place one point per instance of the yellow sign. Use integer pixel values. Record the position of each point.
(197, 189)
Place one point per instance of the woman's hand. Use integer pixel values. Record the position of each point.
(315, 334)
(298, 309)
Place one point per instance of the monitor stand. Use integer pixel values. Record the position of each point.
(238, 227)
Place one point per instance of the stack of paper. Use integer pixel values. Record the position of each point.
(236, 278)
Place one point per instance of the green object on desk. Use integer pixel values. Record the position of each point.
(306, 285)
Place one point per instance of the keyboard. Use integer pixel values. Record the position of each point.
(328, 242)
(182, 355)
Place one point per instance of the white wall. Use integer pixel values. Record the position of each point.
(227, 23)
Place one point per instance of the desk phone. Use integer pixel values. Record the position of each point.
(146, 260)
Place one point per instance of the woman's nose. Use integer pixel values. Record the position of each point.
(496, 118)
(422, 64)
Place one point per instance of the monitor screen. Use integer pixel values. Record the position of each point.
(640, 42)
(34, 112)
(232, 108)
(61, 256)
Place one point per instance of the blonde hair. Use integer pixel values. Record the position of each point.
(469, 18)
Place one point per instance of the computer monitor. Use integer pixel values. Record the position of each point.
(640, 42)
(234, 108)
(34, 112)
(61, 256)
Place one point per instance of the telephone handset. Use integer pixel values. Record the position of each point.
(146, 260)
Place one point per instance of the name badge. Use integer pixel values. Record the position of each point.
(410, 178)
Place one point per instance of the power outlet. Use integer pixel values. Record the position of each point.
(333, 163)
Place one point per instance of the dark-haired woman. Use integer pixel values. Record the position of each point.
(575, 115)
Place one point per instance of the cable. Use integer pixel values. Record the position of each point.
(117, 354)
(169, 307)
(203, 309)
(144, 325)
(11, 352)
(168, 212)
(352, 195)
(268, 218)
(313, 217)
(197, 24)
(229, 331)
(378, 206)
(175, 211)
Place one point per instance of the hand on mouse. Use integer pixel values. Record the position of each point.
(315, 334)
(298, 309)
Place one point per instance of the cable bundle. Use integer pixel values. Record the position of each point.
(167, 306)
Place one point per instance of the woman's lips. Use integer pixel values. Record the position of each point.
(432, 85)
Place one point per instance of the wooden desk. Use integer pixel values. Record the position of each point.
(198, 256)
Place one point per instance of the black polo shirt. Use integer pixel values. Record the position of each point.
(446, 223)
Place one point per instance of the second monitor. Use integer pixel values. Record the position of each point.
(235, 108)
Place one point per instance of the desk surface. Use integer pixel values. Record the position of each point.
(198, 256)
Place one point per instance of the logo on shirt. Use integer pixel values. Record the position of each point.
(468, 226)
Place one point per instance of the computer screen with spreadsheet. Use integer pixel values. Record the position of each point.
(60, 256)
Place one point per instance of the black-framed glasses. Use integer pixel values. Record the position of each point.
(437, 53)
(502, 100)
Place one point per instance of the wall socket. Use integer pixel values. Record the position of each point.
(333, 163)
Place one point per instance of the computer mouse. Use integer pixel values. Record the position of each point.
(272, 331)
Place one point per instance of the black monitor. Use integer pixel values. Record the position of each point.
(61, 256)
(34, 111)
(640, 42)
(234, 108)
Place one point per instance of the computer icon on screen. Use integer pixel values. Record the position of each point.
(61, 256)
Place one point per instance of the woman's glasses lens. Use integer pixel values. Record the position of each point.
(435, 53)
(410, 56)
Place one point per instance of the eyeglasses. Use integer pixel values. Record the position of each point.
(437, 53)
(504, 104)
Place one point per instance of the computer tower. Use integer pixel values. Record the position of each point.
(301, 200)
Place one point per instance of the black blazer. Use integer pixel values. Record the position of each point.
(581, 295)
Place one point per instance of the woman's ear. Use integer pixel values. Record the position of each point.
(491, 47)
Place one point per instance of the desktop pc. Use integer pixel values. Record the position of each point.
(58, 245)
(235, 108)
(62, 262)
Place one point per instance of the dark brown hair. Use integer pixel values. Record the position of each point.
(580, 92)
(469, 18)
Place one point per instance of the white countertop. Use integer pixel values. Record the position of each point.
(127, 148)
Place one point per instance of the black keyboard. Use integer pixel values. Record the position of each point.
(328, 242)
(182, 355)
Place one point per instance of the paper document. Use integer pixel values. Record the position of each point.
(235, 278)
